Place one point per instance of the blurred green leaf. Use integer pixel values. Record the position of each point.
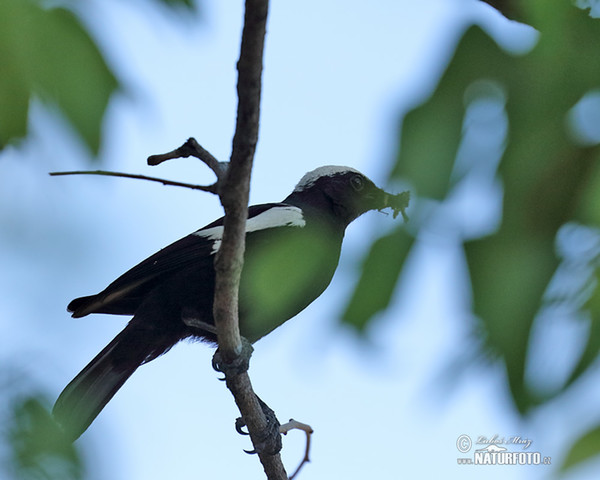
(380, 271)
(585, 448)
(544, 176)
(431, 133)
(592, 347)
(47, 53)
(509, 8)
(39, 449)
(189, 4)
(548, 179)
(280, 264)
(509, 275)
(588, 210)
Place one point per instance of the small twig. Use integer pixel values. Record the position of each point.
(295, 425)
(205, 188)
(191, 148)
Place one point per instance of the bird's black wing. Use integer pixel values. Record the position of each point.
(124, 295)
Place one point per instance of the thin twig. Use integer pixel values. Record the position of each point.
(205, 188)
(296, 425)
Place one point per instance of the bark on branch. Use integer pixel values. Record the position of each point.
(233, 192)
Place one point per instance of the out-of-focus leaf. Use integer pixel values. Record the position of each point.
(47, 53)
(585, 448)
(547, 177)
(509, 8)
(39, 449)
(537, 13)
(280, 264)
(431, 133)
(380, 271)
(189, 4)
(511, 270)
(544, 176)
(588, 211)
(509, 275)
(592, 346)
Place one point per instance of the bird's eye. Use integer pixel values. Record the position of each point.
(357, 183)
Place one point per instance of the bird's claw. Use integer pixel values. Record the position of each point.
(269, 441)
(239, 426)
(239, 365)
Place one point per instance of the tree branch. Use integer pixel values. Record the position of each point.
(191, 148)
(234, 192)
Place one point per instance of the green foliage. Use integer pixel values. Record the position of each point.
(592, 347)
(189, 4)
(380, 269)
(48, 54)
(281, 265)
(586, 447)
(548, 178)
(37, 448)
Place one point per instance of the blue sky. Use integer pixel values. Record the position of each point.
(337, 77)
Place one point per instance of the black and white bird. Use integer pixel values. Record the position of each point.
(292, 252)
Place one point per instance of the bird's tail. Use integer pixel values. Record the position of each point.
(84, 398)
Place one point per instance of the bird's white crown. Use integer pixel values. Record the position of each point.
(327, 171)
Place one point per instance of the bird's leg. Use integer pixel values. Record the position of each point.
(269, 440)
(191, 319)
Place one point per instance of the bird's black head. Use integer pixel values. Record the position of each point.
(344, 192)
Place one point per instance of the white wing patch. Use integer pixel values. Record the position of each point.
(328, 171)
(287, 216)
